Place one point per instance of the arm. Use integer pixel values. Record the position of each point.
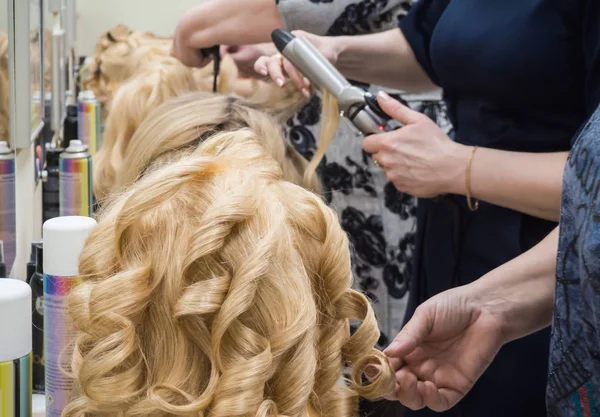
(224, 22)
(421, 160)
(453, 337)
(341, 17)
(527, 182)
(521, 292)
(393, 63)
(385, 59)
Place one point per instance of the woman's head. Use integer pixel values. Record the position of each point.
(214, 287)
(156, 83)
(183, 123)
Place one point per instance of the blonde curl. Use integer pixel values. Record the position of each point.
(214, 287)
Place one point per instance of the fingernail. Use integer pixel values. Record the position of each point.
(306, 93)
(306, 82)
(263, 71)
(383, 95)
(280, 82)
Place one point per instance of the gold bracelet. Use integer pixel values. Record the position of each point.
(472, 203)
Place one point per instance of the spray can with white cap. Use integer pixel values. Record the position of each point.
(88, 120)
(15, 348)
(75, 181)
(64, 239)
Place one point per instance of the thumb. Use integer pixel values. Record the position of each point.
(412, 335)
(397, 110)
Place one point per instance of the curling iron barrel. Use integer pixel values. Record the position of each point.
(358, 106)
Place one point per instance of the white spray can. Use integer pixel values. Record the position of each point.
(64, 239)
(15, 348)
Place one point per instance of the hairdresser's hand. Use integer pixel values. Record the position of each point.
(419, 158)
(223, 22)
(279, 68)
(245, 56)
(443, 350)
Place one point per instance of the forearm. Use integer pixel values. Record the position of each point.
(521, 292)
(527, 182)
(232, 22)
(384, 59)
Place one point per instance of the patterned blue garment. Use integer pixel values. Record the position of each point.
(574, 377)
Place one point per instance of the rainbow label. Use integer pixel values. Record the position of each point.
(7, 211)
(75, 187)
(15, 387)
(89, 125)
(58, 334)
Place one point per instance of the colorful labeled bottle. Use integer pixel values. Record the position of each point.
(64, 239)
(89, 120)
(15, 349)
(75, 181)
(7, 204)
(37, 319)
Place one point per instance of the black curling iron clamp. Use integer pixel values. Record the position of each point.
(358, 106)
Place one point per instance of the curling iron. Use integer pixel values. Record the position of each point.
(356, 105)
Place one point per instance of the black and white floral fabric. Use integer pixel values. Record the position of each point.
(379, 220)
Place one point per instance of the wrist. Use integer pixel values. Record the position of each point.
(488, 298)
(456, 168)
(340, 48)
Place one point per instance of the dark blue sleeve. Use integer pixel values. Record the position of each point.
(591, 49)
(418, 27)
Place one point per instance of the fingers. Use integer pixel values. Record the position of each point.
(412, 335)
(372, 144)
(406, 390)
(432, 397)
(278, 68)
(397, 110)
(275, 68)
(299, 81)
(260, 65)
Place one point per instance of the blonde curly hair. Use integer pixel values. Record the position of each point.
(121, 54)
(213, 287)
(132, 141)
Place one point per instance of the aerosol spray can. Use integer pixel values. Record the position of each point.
(7, 203)
(75, 181)
(89, 122)
(64, 239)
(37, 319)
(51, 193)
(15, 349)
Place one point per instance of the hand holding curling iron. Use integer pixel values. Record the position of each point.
(279, 68)
(419, 158)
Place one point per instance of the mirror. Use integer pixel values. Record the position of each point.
(4, 79)
(37, 59)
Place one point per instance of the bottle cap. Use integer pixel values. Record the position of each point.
(15, 319)
(76, 146)
(64, 239)
(86, 95)
(4, 148)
